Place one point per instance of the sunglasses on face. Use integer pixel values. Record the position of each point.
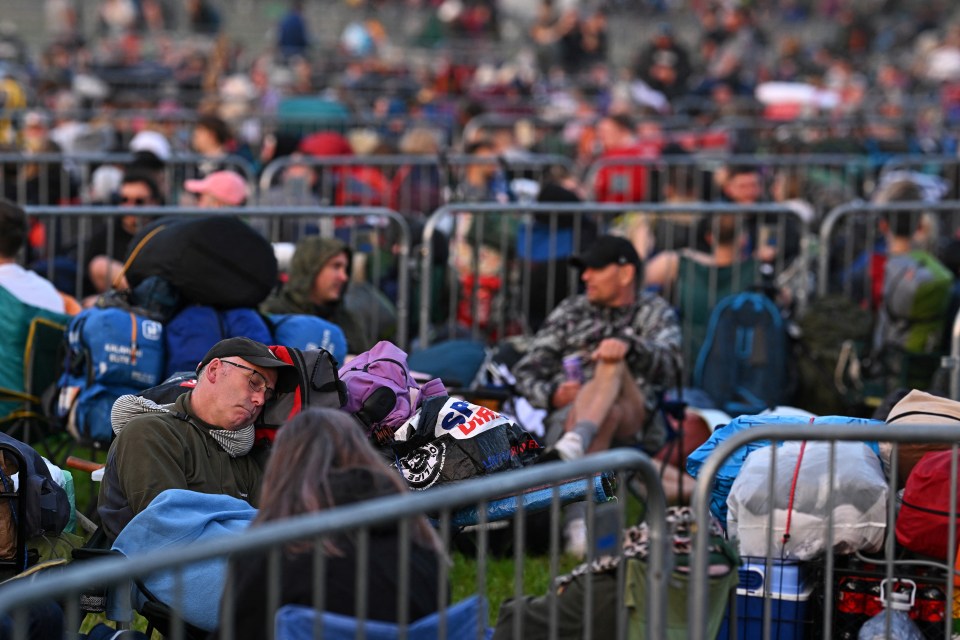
(256, 380)
(139, 201)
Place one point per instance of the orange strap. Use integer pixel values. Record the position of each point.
(133, 254)
(133, 339)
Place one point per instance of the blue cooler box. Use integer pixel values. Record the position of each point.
(790, 585)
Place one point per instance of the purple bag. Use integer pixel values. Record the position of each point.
(378, 384)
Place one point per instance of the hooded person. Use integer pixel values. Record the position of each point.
(318, 279)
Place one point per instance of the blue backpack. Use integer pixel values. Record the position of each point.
(743, 361)
(110, 352)
(307, 332)
(191, 333)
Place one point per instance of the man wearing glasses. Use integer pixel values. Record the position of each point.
(203, 442)
(109, 243)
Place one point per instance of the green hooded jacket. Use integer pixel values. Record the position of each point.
(311, 254)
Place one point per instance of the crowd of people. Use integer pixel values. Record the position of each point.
(882, 65)
(213, 117)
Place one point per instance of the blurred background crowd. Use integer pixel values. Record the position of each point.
(99, 71)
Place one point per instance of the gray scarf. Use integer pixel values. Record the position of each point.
(236, 443)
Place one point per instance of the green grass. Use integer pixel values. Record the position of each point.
(499, 578)
(499, 573)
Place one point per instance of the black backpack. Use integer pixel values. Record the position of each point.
(320, 386)
(47, 507)
(218, 261)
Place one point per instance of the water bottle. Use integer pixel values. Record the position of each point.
(901, 626)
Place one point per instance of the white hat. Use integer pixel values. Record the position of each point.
(151, 141)
(713, 417)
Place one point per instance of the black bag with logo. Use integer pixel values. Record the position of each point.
(451, 439)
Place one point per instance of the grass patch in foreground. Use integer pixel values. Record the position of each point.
(500, 578)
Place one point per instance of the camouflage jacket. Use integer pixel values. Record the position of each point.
(576, 326)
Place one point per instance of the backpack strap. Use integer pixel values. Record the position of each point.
(134, 253)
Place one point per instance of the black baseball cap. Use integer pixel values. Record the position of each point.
(255, 353)
(607, 250)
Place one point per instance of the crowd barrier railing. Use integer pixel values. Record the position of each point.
(57, 178)
(896, 435)
(374, 228)
(952, 362)
(630, 467)
(943, 166)
(412, 184)
(531, 275)
(850, 233)
(840, 176)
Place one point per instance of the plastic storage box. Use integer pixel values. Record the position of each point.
(789, 587)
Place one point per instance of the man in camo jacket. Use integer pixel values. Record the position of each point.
(628, 344)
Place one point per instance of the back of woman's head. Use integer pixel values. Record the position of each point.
(321, 459)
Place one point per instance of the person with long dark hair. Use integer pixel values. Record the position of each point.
(321, 460)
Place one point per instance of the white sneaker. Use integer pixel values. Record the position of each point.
(575, 538)
(569, 446)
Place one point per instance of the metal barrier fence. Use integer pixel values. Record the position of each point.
(55, 179)
(952, 362)
(414, 185)
(850, 233)
(773, 627)
(383, 235)
(821, 179)
(508, 262)
(555, 133)
(117, 573)
(945, 167)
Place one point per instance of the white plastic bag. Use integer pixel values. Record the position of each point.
(859, 501)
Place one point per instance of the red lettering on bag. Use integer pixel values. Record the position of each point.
(482, 416)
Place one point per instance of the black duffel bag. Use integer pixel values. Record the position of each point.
(218, 261)
(452, 439)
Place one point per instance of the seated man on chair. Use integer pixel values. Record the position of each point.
(628, 345)
(24, 295)
(203, 442)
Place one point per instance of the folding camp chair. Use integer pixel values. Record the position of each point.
(118, 603)
(29, 422)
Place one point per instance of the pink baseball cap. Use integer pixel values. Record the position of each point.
(227, 186)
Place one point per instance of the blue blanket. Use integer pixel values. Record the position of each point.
(176, 518)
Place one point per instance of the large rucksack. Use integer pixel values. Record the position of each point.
(190, 334)
(924, 517)
(110, 352)
(218, 261)
(832, 330)
(382, 367)
(307, 332)
(743, 361)
(378, 386)
(319, 386)
(916, 294)
(46, 504)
